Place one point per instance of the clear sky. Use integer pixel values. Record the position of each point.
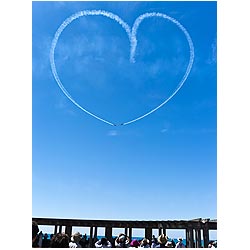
(161, 167)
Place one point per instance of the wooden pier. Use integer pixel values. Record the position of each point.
(194, 228)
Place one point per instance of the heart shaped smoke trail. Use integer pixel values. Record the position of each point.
(133, 44)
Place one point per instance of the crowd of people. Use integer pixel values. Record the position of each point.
(77, 240)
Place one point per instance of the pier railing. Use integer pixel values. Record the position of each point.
(194, 228)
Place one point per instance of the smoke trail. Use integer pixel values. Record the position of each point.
(133, 44)
(55, 40)
(133, 48)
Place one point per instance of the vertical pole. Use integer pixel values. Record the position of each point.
(90, 237)
(191, 239)
(68, 230)
(60, 229)
(95, 235)
(206, 237)
(198, 238)
(187, 237)
(130, 233)
(148, 233)
(108, 233)
(126, 231)
(55, 230)
(160, 229)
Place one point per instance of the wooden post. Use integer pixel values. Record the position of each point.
(205, 237)
(126, 231)
(108, 233)
(160, 231)
(198, 238)
(95, 235)
(55, 230)
(191, 239)
(148, 233)
(91, 237)
(187, 237)
(130, 233)
(68, 230)
(60, 229)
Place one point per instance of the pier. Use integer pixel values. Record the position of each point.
(194, 228)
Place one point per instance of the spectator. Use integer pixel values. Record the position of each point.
(134, 244)
(46, 241)
(173, 243)
(75, 239)
(154, 242)
(180, 244)
(36, 238)
(103, 243)
(84, 241)
(60, 240)
(145, 243)
(169, 244)
(35, 230)
(122, 241)
(211, 244)
(162, 239)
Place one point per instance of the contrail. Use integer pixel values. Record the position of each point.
(133, 44)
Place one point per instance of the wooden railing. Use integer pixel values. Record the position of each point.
(194, 228)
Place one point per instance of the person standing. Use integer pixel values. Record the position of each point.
(180, 244)
(103, 243)
(75, 239)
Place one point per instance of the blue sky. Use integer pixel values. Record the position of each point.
(161, 167)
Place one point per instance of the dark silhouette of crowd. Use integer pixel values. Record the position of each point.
(77, 240)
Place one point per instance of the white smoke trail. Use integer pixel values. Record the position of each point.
(133, 44)
(55, 40)
(133, 48)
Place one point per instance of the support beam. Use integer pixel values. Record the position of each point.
(68, 230)
(95, 235)
(148, 233)
(205, 237)
(108, 233)
(91, 237)
(130, 233)
(198, 238)
(60, 229)
(55, 229)
(189, 237)
(126, 231)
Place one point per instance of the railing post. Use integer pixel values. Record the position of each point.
(108, 233)
(68, 230)
(205, 237)
(95, 235)
(189, 237)
(130, 233)
(55, 230)
(198, 238)
(91, 237)
(148, 233)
